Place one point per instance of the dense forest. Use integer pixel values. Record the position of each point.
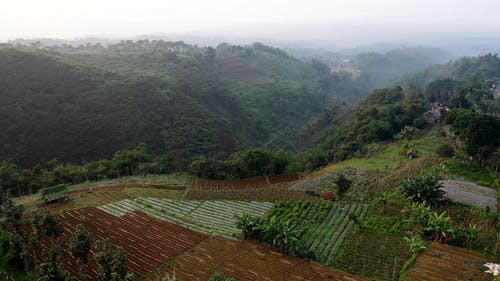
(83, 103)
(465, 87)
(85, 127)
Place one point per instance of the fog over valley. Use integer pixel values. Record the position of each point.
(455, 25)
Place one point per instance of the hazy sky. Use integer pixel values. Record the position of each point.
(279, 19)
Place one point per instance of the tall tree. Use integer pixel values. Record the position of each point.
(112, 262)
(80, 245)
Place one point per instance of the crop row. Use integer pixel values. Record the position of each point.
(325, 225)
(303, 213)
(260, 194)
(256, 182)
(245, 261)
(325, 238)
(147, 242)
(251, 183)
(213, 217)
(443, 262)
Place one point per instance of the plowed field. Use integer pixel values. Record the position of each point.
(246, 261)
(250, 183)
(147, 242)
(446, 263)
(255, 194)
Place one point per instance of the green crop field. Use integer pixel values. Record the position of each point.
(326, 225)
(178, 179)
(212, 217)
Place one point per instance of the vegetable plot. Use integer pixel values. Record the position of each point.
(326, 237)
(212, 217)
(251, 183)
(325, 225)
(257, 194)
(147, 242)
(245, 261)
(443, 262)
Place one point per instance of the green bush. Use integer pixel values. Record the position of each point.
(436, 226)
(407, 133)
(425, 188)
(343, 184)
(283, 236)
(9, 255)
(54, 190)
(220, 277)
(445, 150)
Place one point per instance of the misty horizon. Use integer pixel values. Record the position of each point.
(324, 23)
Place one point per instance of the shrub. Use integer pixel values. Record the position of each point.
(283, 236)
(407, 133)
(436, 226)
(424, 188)
(415, 242)
(9, 252)
(220, 277)
(445, 150)
(343, 184)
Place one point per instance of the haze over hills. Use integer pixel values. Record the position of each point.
(97, 100)
(227, 140)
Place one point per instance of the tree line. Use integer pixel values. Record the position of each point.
(139, 161)
(472, 112)
(43, 251)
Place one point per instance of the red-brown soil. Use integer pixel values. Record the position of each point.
(441, 262)
(246, 261)
(147, 242)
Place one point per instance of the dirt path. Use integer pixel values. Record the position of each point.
(471, 193)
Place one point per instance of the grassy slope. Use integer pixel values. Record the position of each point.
(378, 250)
(393, 155)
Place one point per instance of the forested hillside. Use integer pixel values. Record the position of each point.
(375, 69)
(465, 89)
(87, 102)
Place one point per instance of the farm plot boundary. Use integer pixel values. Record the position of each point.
(245, 261)
(442, 262)
(212, 217)
(147, 242)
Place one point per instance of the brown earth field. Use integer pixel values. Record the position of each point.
(238, 69)
(147, 242)
(108, 194)
(441, 262)
(255, 182)
(245, 261)
(270, 194)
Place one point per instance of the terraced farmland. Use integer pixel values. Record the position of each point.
(238, 69)
(246, 261)
(326, 225)
(108, 194)
(84, 199)
(213, 217)
(326, 237)
(147, 242)
(470, 193)
(260, 194)
(442, 262)
(255, 182)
